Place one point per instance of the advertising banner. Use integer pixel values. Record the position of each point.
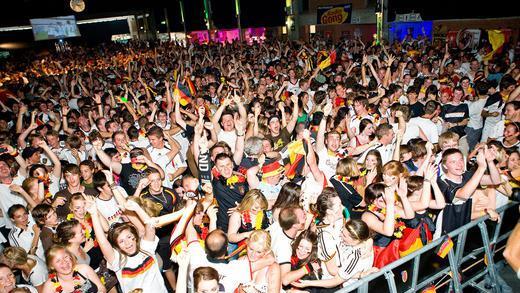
(334, 14)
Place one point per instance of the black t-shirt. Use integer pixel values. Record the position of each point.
(281, 140)
(455, 114)
(350, 198)
(129, 177)
(168, 199)
(226, 197)
(416, 110)
(457, 214)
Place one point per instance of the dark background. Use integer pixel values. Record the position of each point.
(255, 13)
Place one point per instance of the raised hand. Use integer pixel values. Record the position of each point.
(65, 110)
(481, 157)
(143, 183)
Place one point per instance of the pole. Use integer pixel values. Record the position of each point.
(207, 14)
(379, 21)
(181, 3)
(237, 12)
(167, 22)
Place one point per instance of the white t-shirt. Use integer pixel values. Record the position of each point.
(327, 163)
(328, 240)
(352, 260)
(428, 128)
(229, 137)
(231, 274)
(23, 238)
(38, 274)
(476, 120)
(110, 209)
(140, 271)
(9, 199)
(280, 244)
(160, 157)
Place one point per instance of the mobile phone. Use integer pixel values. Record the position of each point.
(3, 150)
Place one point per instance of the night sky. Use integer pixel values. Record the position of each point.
(254, 12)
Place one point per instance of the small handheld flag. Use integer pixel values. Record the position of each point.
(445, 247)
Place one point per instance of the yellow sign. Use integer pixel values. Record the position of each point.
(336, 15)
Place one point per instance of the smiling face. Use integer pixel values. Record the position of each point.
(455, 164)
(256, 250)
(7, 280)
(155, 183)
(72, 179)
(127, 242)
(304, 249)
(224, 167)
(333, 141)
(228, 124)
(513, 162)
(371, 162)
(77, 207)
(62, 262)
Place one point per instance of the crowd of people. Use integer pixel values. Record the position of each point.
(157, 167)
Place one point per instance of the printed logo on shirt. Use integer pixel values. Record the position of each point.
(140, 269)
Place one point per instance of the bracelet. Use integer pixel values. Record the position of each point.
(305, 269)
(242, 134)
(113, 185)
(14, 154)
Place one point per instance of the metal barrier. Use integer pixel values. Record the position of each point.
(456, 258)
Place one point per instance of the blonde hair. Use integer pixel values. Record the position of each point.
(51, 254)
(447, 136)
(262, 237)
(251, 197)
(150, 207)
(15, 255)
(347, 167)
(395, 168)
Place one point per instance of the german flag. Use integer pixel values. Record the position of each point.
(445, 247)
(182, 93)
(294, 158)
(191, 87)
(497, 39)
(328, 61)
(140, 269)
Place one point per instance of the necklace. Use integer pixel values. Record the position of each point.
(164, 201)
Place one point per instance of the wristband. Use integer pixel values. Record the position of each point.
(239, 135)
(306, 269)
(113, 185)
(14, 154)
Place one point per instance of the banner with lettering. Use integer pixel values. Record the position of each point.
(334, 14)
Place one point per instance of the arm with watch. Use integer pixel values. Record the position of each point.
(240, 142)
(252, 178)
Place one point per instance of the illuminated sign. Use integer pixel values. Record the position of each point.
(334, 14)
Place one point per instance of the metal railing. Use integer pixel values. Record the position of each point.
(456, 258)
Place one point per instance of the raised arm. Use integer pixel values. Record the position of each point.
(320, 137)
(294, 116)
(105, 159)
(469, 188)
(52, 156)
(104, 244)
